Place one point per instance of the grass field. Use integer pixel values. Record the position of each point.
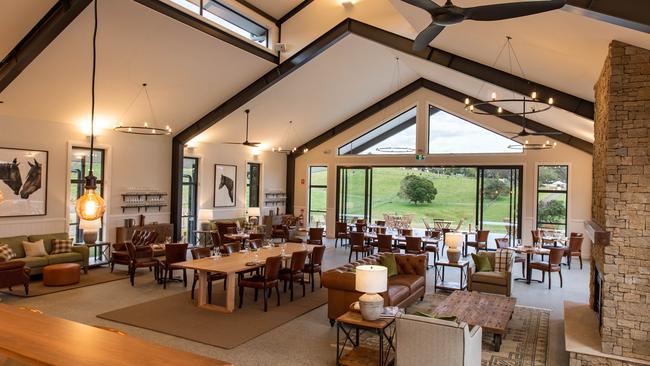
(456, 198)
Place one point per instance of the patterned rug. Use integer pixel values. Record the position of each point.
(525, 344)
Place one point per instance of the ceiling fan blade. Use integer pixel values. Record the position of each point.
(511, 10)
(232, 143)
(423, 4)
(426, 36)
(545, 133)
(252, 144)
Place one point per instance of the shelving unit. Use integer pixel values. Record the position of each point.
(275, 198)
(146, 200)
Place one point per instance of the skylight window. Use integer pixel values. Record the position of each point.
(219, 13)
(397, 136)
(449, 134)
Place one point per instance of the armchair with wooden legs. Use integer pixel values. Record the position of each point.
(142, 257)
(120, 252)
(267, 281)
(14, 273)
(294, 272)
(553, 265)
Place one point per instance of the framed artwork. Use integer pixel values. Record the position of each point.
(23, 182)
(225, 185)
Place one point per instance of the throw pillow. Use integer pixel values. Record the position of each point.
(34, 249)
(6, 253)
(482, 263)
(502, 260)
(61, 246)
(388, 261)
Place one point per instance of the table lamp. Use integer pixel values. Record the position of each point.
(371, 280)
(90, 229)
(253, 212)
(453, 241)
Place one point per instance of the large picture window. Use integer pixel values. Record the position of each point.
(552, 197)
(317, 195)
(79, 168)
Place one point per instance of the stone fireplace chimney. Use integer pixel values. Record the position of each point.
(621, 201)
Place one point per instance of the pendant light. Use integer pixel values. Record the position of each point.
(145, 128)
(90, 206)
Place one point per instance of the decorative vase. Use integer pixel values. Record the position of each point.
(371, 306)
(90, 237)
(453, 255)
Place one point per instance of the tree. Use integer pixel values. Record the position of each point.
(551, 211)
(495, 188)
(417, 189)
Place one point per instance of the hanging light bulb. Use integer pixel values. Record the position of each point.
(2, 196)
(494, 96)
(550, 100)
(534, 95)
(91, 206)
(305, 150)
(499, 110)
(466, 101)
(146, 124)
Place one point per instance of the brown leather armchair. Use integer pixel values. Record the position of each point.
(14, 273)
(120, 253)
(403, 289)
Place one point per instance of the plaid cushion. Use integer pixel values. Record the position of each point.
(502, 260)
(249, 226)
(6, 253)
(61, 246)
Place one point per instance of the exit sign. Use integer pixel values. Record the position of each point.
(419, 157)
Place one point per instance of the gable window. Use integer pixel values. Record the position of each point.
(396, 136)
(552, 194)
(219, 13)
(449, 134)
(79, 168)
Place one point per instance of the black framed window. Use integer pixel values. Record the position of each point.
(552, 197)
(189, 198)
(253, 184)
(79, 168)
(317, 195)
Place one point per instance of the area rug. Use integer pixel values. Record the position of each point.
(525, 344)
(95, 276)
(178, 316)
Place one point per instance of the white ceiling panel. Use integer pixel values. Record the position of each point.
(17, 18)
(275, 8)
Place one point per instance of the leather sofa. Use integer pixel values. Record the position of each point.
(403, 289)
(493, 282)
(78, 255)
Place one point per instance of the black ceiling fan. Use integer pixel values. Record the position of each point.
(246, 142)
(450, 14)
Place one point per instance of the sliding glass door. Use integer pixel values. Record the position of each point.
(499, 201)
(355, 190)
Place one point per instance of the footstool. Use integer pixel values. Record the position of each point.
(61, 274)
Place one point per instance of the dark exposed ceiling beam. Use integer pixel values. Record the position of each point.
(293, 12)
(475, 69)
(258, 11)
(383, 136)
(206, 28)
(38, 38)
(449, 93)
(632, 14)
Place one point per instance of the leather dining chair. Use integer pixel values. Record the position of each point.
(294, 272)
(553, 265)
(341, 232)
(315, 265)
(120, 252)
(174, 253)
(358, 245)
(198, 253)
(385, 244)
(414, 245)
(230, 248)
(142, 257)
(480, 241)
(267, 281)
(316, 235)
(574, 249)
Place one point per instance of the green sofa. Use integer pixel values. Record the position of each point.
(78, 255)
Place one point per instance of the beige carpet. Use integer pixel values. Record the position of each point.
(178, 316)
(95, 276)
(525, 344)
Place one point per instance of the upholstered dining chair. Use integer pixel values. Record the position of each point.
(553, 265)
(358, 245)
(574, 249)
(361, 226)
(198, 253)
(174, 253)
(385, 244)
(480, 241)
(414, 245)
(536, 235)
(142, 257)
(315, 265)
(267, 281)
(340, 232)
(316, 235)
(230, 248)
(294, 272)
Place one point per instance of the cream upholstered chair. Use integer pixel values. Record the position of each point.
(428, 341)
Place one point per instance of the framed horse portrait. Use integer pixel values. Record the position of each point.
(23, 182)
(225, 185)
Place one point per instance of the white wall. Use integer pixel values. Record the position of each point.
(274, 168)
(580, 163)
(132, 161)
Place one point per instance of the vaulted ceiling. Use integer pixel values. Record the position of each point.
(17, 18)
(275, 8)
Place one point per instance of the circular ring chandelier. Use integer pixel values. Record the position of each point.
(534, 146)
(143, 129)
(494, 107)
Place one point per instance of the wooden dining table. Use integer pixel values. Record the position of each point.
(33, 338)
(529, 251)
(231, 266)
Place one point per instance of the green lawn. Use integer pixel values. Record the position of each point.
(456, 198)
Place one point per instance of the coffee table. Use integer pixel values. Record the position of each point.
(490, 312)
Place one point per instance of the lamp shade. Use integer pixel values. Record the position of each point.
(253, 211)
(453, 240)
(371, 279)
(205, 215)
(90, 226)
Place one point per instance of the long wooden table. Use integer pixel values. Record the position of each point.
(231, 266)
(34, 338)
